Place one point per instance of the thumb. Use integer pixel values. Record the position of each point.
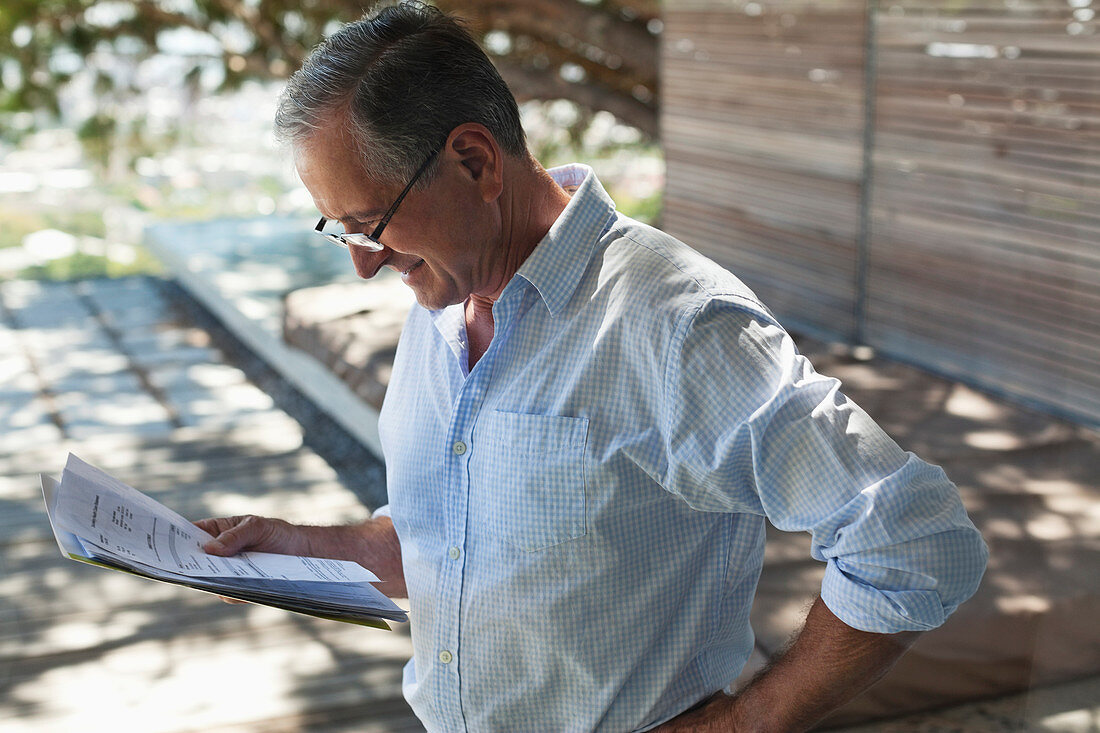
(233, 539)
(217, 547)
(221, 545)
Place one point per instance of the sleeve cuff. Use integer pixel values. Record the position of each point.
(867, 608)
(382, 511)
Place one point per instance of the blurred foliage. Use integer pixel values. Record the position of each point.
(646, 210)
(97, 135)
(115, 56)
(81, 265)
(18, 223)
(601, 54)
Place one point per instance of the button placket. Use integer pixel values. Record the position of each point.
(465, 412)
(466, 407)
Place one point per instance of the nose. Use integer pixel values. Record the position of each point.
(367, 262)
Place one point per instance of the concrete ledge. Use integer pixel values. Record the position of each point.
(353, 329)
(330, 395)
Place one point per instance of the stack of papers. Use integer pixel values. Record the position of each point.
(100, 520)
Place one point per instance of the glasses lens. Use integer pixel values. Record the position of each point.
(355, 239)
(334, 238)
(364, 241)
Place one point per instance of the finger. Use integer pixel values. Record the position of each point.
(244, 533)
(217, 525)
(227, 540)
(210, 526)
(225, 543)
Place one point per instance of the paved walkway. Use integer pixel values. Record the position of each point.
(106, 370)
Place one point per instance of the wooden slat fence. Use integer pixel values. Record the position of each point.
(985, 216)
(922, 177)
(762, 132)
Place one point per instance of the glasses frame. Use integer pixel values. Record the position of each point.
(370, 241)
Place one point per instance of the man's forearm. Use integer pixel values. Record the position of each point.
(372, 543)
(828, 664)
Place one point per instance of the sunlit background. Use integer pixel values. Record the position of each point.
(912, 185)
(118, 116)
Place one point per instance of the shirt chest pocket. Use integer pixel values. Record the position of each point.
(528, 478)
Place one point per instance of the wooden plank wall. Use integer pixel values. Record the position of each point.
(984, 188)
(985, 239)
(762, 129)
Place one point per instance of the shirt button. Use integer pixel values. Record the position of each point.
(453, 553)
(459, 448)
(445, 657)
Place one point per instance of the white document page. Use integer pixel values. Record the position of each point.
(105, 513)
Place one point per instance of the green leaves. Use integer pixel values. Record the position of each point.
(597, 53)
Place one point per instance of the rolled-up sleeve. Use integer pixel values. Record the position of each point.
(752, 427)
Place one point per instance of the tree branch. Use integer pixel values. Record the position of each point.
(528, 83)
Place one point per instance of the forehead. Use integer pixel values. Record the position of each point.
(327, 152)
(329, 165)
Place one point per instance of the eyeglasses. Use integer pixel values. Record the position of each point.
(370, 241)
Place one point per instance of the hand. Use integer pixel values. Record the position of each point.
(237, 534)
(372, 543)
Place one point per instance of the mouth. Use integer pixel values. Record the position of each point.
(412, 267)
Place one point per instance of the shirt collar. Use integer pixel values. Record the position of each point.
(556, 265)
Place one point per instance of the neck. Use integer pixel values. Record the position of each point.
(531, 206)
(532, 203)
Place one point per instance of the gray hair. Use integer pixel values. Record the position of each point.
(401, 78)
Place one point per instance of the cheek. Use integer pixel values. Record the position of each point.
(459, 232)
(462, 236)
(481, 229)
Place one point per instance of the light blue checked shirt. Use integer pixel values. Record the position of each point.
(581, 515)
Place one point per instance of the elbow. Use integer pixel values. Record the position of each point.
(961, 585)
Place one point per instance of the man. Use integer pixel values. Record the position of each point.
(586, 426)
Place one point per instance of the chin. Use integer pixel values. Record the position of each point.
(432, 302)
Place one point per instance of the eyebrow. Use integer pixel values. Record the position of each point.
(360, 215)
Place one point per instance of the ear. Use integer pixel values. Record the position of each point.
(480, 158)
